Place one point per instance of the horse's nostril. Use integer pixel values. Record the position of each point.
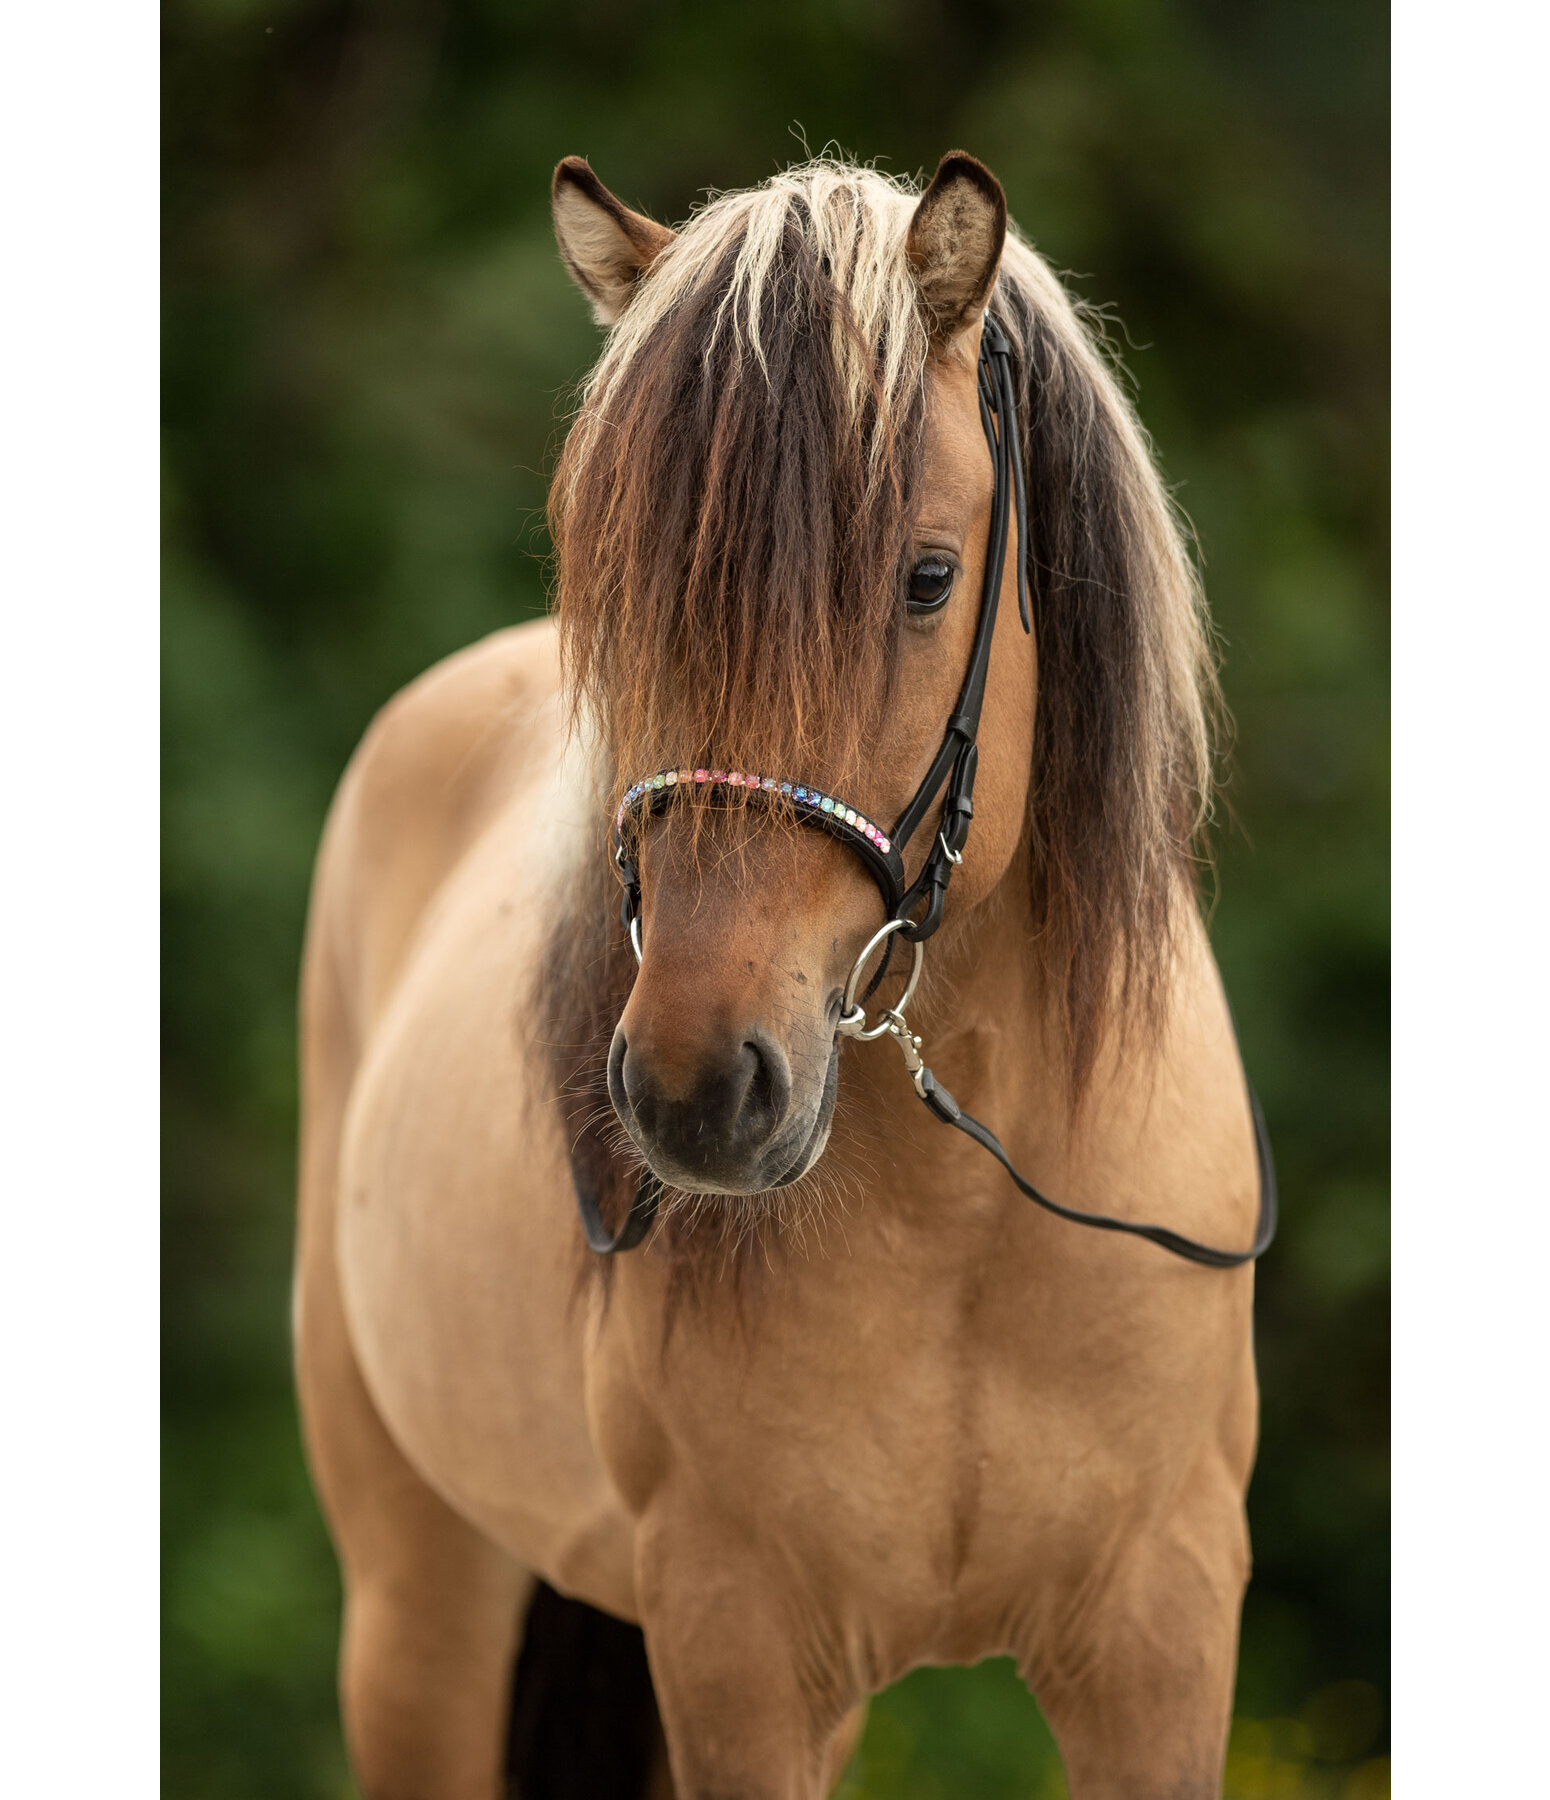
(627, 1070)
(769, 1084)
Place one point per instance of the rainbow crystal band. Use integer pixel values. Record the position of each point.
(812, 798)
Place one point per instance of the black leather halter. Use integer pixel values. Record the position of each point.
(914, 909)
(957, 758)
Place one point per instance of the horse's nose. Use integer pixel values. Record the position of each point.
(706, 1124)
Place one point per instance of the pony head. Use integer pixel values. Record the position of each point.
(770, 520)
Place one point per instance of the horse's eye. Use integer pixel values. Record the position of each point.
(931, 581)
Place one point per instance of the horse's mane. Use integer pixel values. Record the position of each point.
(731, 509)
(732, 514)
(1128, 702)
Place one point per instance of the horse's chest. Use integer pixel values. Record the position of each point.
(914, 1470)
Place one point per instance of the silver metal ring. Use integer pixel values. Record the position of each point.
(635, 938)
(853, 1017)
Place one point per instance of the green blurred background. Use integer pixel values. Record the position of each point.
(368, 341)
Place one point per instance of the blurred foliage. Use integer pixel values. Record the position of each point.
(947, 1734)
(368, 343)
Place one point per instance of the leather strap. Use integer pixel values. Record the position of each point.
(947, 1109)
(648, 1194)
(637, 1221)
(957, 760)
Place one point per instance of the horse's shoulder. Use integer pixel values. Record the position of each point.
(436, 741)
(436, 764)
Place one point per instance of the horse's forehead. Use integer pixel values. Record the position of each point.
(958, 477)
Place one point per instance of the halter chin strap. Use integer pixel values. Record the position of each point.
(953, 768)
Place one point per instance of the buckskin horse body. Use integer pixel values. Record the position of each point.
(855, 1406)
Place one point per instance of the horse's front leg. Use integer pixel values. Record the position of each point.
(1137, 1680)
(754, 1707)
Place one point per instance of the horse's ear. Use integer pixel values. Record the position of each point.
(954, 242)
(606, 247)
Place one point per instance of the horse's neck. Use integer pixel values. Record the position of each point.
(991, 1025)
(990, 1032)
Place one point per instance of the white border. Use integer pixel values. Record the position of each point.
(78, 736)
(1471, 672)
(78, 87)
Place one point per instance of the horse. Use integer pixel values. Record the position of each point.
(852, 1406)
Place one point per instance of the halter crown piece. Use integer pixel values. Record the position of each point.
(880, 851)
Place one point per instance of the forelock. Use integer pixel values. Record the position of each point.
(852, 220)
(733, 505)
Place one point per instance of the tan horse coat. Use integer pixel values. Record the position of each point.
(942, 1425)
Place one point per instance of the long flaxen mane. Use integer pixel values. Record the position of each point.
(731, 511)
(731, 516)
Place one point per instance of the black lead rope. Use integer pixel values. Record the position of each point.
(637, 1221)
(954, 765)
(947, 1109)
(648, 1194)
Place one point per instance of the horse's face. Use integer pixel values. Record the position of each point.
(724, 1065)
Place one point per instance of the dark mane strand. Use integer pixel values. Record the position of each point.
(732, 533)
(1127, 694)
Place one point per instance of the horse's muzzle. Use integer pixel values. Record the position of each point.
(729, 1124)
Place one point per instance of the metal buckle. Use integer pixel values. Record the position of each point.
(853, 1019)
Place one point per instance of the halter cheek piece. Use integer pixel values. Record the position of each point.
(914, 909)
